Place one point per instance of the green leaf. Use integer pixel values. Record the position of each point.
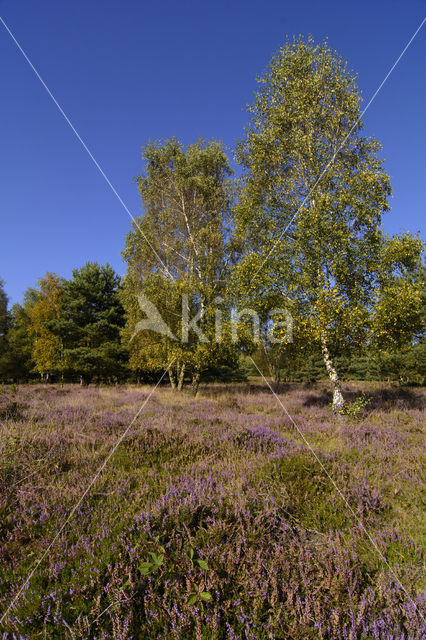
(191, 553)
(146, 567)
(206, 596)
(202, 564)
(192, 598)
(157, 560)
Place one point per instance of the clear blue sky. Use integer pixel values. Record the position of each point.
(132, 71)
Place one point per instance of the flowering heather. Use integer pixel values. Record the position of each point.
(213, 520)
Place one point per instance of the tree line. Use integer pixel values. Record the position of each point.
(298, 234)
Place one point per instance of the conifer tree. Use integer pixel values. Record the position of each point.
(90, 323)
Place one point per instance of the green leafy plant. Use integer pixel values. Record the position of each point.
(148, 567)
(198, 593)
(156, 561)
(197, 561)
(356, 408)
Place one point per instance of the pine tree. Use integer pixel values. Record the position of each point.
(4, 320)
(90, 323)
(16, 363)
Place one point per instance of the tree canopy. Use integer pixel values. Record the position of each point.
(90, 322)
(312, 197)
(178, 257)
(293, 249)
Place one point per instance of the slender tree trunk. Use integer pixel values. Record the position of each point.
(277, 373)
(338, 400)
(195, 383)
(181, 377)
(172, 378)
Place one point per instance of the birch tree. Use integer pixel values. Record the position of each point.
(178, 255)
(312, 197)
(47, 347)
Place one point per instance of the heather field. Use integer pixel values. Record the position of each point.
(212, 520)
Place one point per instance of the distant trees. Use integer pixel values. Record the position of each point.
(178, 257)
(310, 208)
(47, 352)
(67, 328)
(88, 324)
(16, 360)
(297, 241)
(4, 320)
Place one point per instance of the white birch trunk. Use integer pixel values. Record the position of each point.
(338, 400)
(181, 378)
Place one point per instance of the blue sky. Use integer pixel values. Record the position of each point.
(128, 72)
